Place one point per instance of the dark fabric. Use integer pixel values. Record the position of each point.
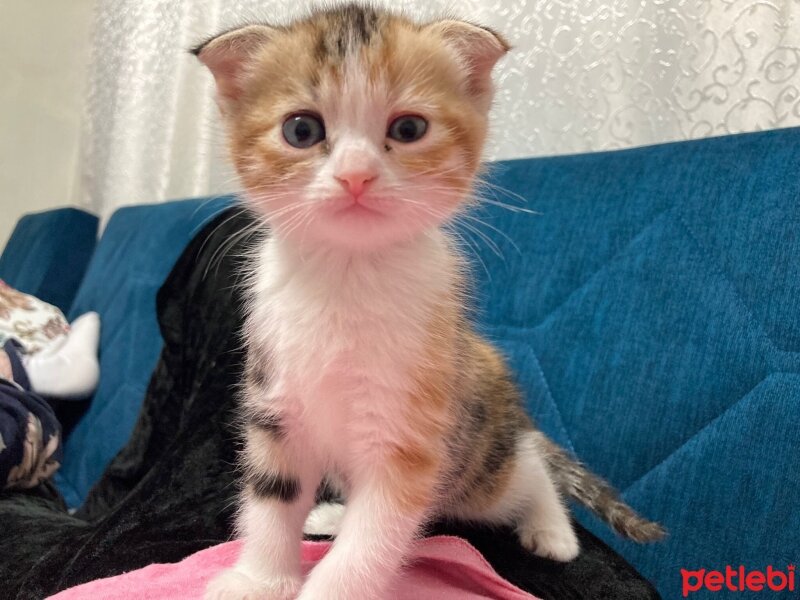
(171, 490)
(13, 350)
(30, 435)
(47, 254)
(139, 247)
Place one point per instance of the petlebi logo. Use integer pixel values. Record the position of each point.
(738, 580)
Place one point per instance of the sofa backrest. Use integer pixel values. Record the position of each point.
(48, 252)
(133, 257)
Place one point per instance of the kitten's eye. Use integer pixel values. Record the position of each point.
(303, 131)
(408, 128)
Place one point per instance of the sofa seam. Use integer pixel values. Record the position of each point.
(714, 262)
(562, 423)
(602, 268)
(705, 426)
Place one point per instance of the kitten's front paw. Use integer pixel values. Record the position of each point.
(559, 544)
(235, 585)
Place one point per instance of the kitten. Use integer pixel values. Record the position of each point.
(357, 134)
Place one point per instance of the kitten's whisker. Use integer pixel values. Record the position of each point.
(295, 221)
(223, 249)
(470, 248)
(452, 229)
(238, 210)
(484, 182)
(472, 217)
(486, 239)
(512, 208)
(485, 187)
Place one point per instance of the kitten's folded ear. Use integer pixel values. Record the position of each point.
(479, 49)
(227, 57)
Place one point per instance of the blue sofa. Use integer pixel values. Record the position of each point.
(650, 308)
(47, 254)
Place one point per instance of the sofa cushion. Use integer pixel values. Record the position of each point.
(48, 252)
(651, 309)
(136, 252)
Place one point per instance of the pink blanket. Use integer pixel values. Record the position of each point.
(443, 568)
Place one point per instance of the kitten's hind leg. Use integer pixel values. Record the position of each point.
(543, 525)
(531, 502)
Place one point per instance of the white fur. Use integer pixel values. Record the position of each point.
(325, 519)
(532, 503)
(345, 331)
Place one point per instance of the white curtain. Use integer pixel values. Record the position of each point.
(584, 75)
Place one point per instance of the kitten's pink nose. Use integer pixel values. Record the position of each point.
(356, 182)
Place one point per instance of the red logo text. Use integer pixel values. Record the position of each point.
(738, 580)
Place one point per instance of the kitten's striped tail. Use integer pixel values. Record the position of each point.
(577, 482)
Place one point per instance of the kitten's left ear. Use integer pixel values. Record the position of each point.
(479, 48)
(228, 56)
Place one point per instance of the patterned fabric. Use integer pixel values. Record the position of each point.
(33, 323)
(5, 367)
(30, 435)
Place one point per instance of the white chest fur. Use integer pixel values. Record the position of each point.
(345, 333)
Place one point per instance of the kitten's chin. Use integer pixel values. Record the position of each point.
(353, 228)
(362, 229)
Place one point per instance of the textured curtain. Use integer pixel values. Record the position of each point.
(584, 75)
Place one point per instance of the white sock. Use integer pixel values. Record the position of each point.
(325, 519)
(68, 369)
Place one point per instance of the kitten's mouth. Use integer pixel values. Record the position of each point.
(360, 207)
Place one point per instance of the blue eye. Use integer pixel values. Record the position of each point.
(303, 130)
(408, 128)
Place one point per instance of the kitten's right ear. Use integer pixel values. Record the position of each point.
(228, 55)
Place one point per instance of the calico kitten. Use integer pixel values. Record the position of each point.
(357, 134)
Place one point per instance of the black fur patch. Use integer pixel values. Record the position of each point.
(350, 26)
(269, 422)
(358, 21)
(477, 414)
(328, 492)
(320, 48)
(270, 485)
(341, 44)
(256, 376)
(501, 450)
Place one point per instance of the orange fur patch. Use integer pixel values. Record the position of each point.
(265, 454)
(430, 413)
(414, 468)
(483, 497)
